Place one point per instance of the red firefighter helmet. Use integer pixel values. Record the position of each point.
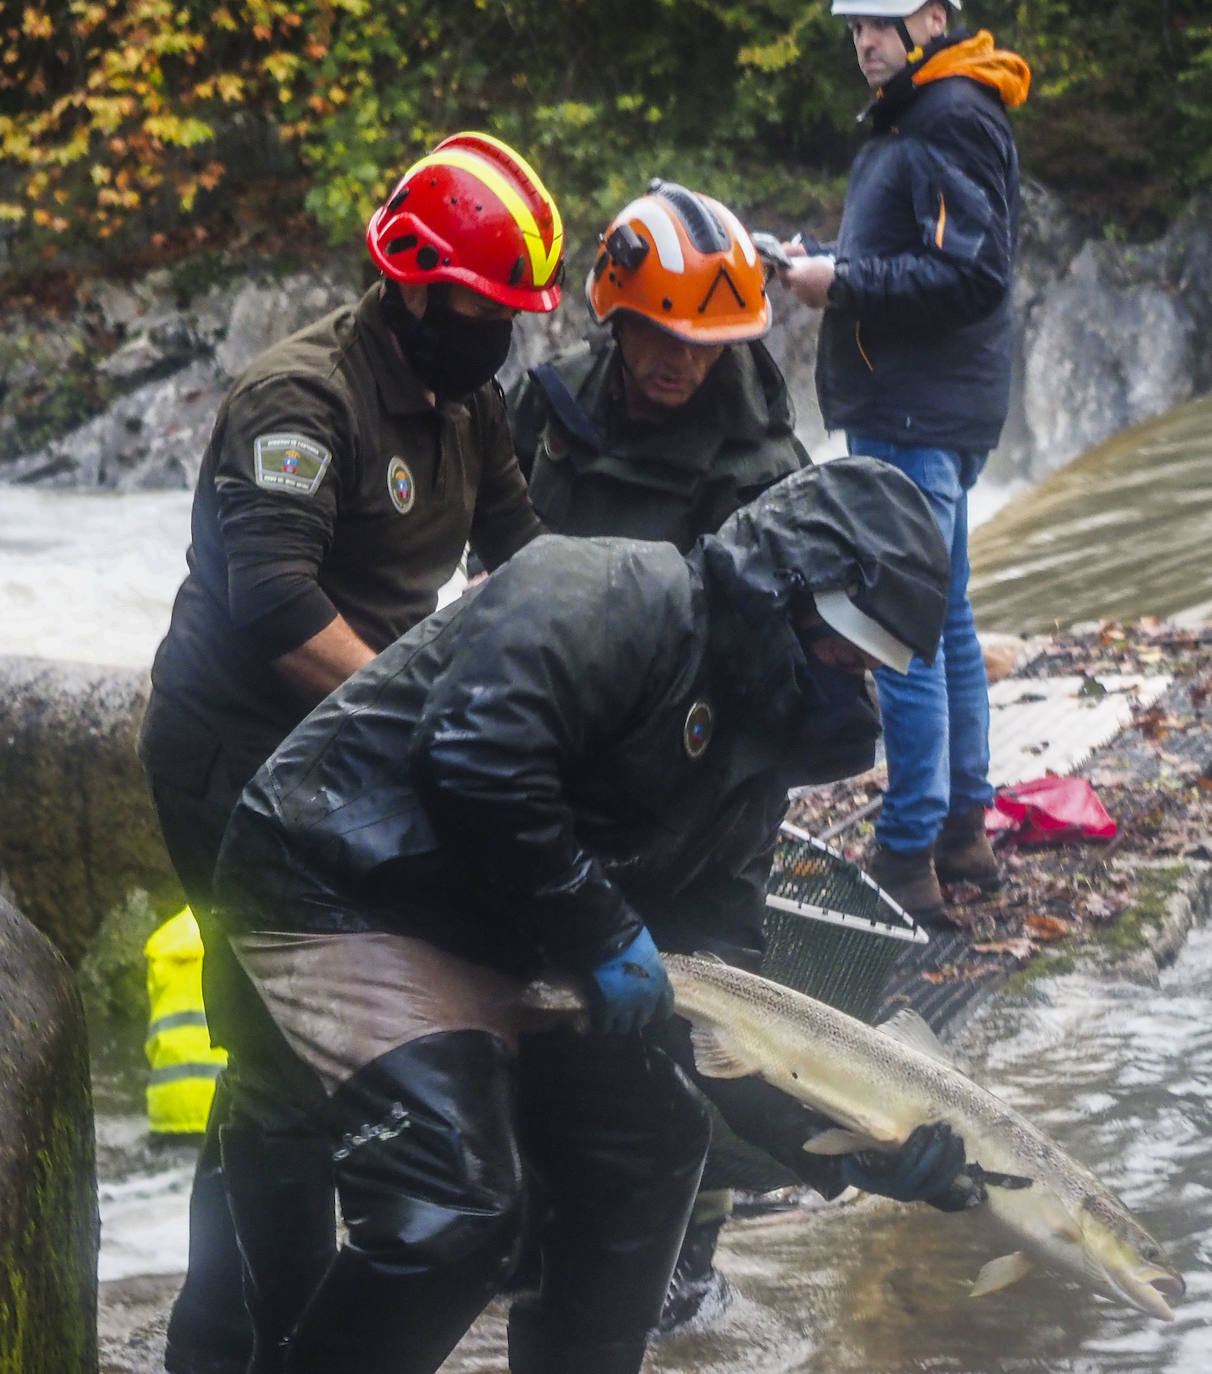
(685, 262)
(473, 211)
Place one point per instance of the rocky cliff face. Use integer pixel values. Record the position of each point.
(1108, 334)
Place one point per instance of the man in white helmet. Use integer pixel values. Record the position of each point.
(914, 366)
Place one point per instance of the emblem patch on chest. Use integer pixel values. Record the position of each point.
(400, 485)
(696, 733)
(289, 462)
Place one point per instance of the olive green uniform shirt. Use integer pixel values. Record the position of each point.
(332, 485)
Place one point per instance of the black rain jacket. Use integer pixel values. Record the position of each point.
(915, 347)
(592, 471)
(601, 734)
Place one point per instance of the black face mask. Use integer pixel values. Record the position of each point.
(453, 354)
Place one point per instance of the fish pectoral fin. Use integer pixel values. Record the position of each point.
(714, 1057)
(839, 1141)
(1001, 1273)
(1059, 1218)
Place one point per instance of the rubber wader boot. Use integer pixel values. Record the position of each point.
(908, 877)
(963, 854)
(538, 1345)
(696, 1282)
(208, 1329)
(374, 1316)
(282, 1201)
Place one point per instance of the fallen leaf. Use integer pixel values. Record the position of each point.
(1097, 906)
(952, 974)
(1047, 928)
(1017, 949)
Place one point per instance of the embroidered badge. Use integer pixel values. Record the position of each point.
(289, 462)
(696, 733)
(400, 486)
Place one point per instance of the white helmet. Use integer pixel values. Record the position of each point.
(885, 9)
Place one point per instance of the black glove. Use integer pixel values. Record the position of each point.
(928, 1167)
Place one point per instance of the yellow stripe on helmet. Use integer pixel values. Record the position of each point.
(543, 262)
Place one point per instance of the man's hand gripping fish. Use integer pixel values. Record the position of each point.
(879, 1083)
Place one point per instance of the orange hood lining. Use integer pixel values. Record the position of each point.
(977, 59)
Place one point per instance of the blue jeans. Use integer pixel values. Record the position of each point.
(936, 719)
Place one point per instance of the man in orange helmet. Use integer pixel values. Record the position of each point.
(666, 424)
(674, 417)
(348, 468)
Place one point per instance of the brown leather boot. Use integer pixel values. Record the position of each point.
(908, 877)
(963, 854)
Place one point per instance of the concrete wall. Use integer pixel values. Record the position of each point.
(77, 829)
(49, 1228)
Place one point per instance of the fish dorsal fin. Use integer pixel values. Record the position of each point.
(709, 957)
(908, 1028)
(838, 1141)
(715, 1056)
(1001, 1273)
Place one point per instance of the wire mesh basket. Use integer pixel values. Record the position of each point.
(830, 933)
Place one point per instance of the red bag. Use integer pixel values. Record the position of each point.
(1048, 810)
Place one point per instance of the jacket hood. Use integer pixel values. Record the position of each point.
(977, 59)
(854, 524)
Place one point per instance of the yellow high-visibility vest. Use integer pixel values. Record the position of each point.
(183, 1064)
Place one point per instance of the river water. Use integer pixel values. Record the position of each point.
(1119, 1074)
(1121, 532)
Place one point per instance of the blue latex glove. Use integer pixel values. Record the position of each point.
(928, 1167)
(630, 989)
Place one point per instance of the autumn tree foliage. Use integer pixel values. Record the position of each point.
(120, 119)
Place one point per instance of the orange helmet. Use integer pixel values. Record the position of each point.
(473, 211)
(685, 262)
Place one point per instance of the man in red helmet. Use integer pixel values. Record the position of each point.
(348, 468)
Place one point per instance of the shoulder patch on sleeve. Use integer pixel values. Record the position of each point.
(289, 462)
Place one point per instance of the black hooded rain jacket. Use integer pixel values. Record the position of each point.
(592, 471)
(601, 734)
